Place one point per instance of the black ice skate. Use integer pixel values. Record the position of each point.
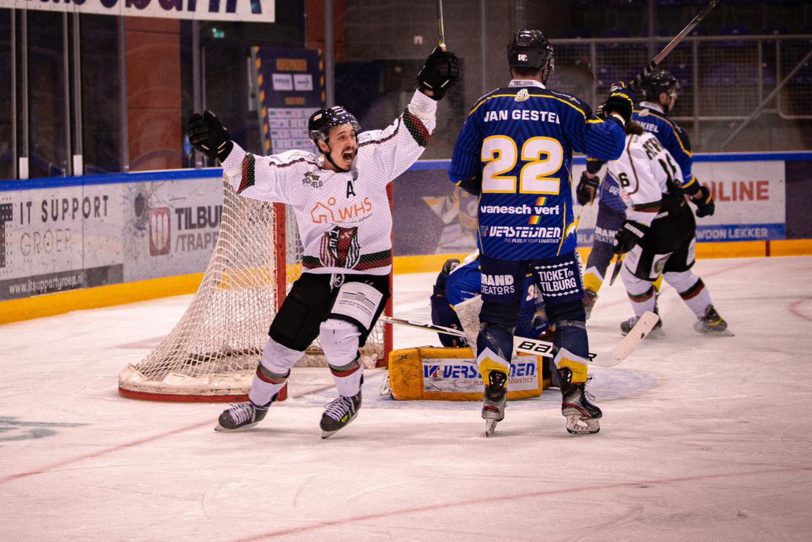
(626, 327)
(241, 416)
(339, 413)
(582, 416)
(712, 324)
(493, 407)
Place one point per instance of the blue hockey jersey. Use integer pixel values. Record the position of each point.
(515, 150)
(670, 136)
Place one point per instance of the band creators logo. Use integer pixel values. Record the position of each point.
(498, 284)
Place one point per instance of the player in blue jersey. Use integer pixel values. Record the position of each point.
(458, 282)
(611, 214)
(515, 152)
(659, 91)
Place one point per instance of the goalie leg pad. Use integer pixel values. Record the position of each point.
(339, 340)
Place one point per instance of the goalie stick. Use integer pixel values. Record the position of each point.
(545, 348)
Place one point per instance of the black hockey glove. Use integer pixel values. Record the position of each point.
(630, 234)
(704, 204)
(439, 72)
(587, 188)
(620, 101)
(208, 135)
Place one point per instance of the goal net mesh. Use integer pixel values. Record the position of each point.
(213, 351)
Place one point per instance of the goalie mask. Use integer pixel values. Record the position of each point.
(530, 50)
(318, 127)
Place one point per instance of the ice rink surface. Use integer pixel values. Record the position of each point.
(702, 438)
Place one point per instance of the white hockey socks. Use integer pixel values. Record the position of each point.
(272, 372)
(348, 379)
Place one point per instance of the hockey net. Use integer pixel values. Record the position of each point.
(213, 351)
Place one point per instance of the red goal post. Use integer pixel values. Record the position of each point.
(212, 352)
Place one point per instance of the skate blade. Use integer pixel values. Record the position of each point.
(580, 426)
(490, 427)
(725, 333)
(222, 429)
(327, 434)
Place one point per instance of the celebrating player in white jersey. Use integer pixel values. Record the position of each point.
(515, 152)
(659, 233)
(345, 223)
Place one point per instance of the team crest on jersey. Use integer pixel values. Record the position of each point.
(340, 247)
(522, 95)
(312, 179)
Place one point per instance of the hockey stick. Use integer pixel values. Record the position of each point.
(544, 348)
(616, 269)
(440, 26)
(672, 44)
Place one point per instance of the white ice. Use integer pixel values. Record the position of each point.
(702, 438)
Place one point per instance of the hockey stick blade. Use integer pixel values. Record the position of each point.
(631, 341)
(616, 269)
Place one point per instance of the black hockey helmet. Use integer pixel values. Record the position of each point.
(529, 49)
(320, 122)
(657, 82)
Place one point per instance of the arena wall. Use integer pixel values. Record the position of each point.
(83, 242)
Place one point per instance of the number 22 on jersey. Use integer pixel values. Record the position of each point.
(542, 157)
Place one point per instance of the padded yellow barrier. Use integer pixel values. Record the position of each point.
(451, 374)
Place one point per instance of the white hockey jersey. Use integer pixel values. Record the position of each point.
(644, 172)
(344, 218)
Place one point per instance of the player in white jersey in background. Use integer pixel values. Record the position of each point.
(343, 215)
(659, 91)
(659, 234)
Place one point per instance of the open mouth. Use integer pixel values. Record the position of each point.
(347, 156)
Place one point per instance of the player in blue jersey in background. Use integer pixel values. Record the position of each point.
(659, 91)
(515, 152)
(458, 282)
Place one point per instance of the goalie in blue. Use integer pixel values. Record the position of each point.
(515, 152)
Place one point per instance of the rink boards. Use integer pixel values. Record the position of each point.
(105, 239)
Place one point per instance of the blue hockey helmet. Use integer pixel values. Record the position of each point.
(320, 122)
(529, 49)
